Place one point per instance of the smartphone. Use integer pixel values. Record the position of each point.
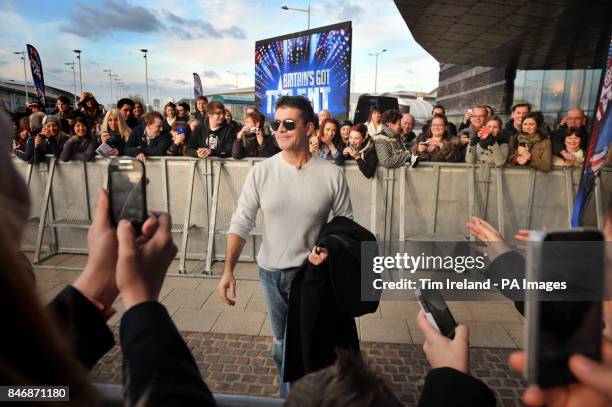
(127, 192)
(180, 130)
(558, 329)
(436, 311)
(522, 144)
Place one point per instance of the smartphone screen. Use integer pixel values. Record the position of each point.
(433, 303)
(127, 193)
(559, 329)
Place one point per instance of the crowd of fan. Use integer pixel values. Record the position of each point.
(387, 138)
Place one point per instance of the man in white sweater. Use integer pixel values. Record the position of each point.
(296, 192)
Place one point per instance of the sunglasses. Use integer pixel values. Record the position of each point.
(289, 124)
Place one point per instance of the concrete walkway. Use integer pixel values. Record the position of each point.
(195, 307)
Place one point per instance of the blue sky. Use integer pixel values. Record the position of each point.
(207, 36)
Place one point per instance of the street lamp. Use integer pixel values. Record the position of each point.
(110, 78)
(236, 75)
(71, 65)
(25, 77)
(307, 10)
(376, 71)
(78, 56)
(144, 51)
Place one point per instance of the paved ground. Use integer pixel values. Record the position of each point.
(241, 364)
(232, 345)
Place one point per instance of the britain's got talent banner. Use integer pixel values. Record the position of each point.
(37, 73)
(314, 63)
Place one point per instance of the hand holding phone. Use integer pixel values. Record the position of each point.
(127, 192)
(558, 329)
(436, 311)
(442, 351)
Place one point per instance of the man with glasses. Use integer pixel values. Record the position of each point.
(215, 138)
(477, 122)
(575, 119)
(296, 192)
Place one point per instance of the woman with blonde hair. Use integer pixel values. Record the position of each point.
(114, 132)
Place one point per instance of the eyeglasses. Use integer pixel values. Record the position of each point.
(289, 124)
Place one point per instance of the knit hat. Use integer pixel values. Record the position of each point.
(36, 121)
(51, 119)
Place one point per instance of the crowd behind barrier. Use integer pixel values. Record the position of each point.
(387, 139)
(432, 201)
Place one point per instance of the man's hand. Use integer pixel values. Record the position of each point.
(443, 352)
(227, 288)
(141, 268)
(482, 230)
(203, 152)
(141, 157)
(318, 255)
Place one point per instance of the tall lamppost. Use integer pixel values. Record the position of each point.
(144, 51)
(236, 74)
(307, 10)
(71, 65)
(376, 71)
(25, 76)
(78, 56)
(115, 78)
(110, 79)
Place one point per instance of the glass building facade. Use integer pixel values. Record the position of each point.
(554, 92)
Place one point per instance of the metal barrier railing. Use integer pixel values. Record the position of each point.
(432, 201)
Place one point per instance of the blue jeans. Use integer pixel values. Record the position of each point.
(276, 286)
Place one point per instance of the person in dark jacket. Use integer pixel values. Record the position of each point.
(251, 140)
(50, 140)
(125, 106)
(513, 126)
(200, 111)
(439, 110)
(148, 140)
(361, 149)
(81, 146)
(407, 136)
(575, 119)
(215, 138)
(229, 119)
(180, 134)
(90, 108)
(63, 111)
(436, 145)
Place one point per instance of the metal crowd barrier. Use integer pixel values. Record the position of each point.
(430, 202)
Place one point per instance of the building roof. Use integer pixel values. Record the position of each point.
(523, 34)
(50, 91)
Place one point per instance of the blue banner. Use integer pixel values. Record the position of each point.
(197, 85)
(314, 63)
(598, 144)
(37, 73)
